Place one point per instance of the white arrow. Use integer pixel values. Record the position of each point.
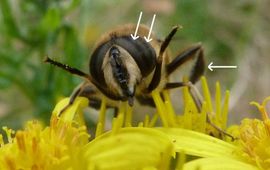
(148, 39)
(134, 37)
(210, 66)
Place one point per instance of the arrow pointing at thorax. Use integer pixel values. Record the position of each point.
(210, 66)
(148, 39)
(134, 37)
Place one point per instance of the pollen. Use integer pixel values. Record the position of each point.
(20, 138)
(254, 137)
(38, 147)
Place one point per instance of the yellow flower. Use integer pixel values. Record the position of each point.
(254, 135)
(65, 143)
(185, 141)
(192, 118)
(55, 147)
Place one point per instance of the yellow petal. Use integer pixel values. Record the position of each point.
(206, 94)
(199, 144)
(70, 113)
(160, 107)
(101, 118)
(218, 163)
(130, 148)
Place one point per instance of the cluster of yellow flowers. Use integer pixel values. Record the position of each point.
(254, 135)
(182, 142)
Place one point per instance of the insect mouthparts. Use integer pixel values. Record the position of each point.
(130, 101)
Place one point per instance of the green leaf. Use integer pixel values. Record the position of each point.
(8, 18)
(4, 83)
(51, 20)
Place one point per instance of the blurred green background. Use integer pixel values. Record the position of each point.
(232, 33)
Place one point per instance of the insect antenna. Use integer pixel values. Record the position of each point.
(68, 68)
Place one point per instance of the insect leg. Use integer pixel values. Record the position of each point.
(174, 85)
(195, 94)
(198, 99)
(219, 129)
(190, 53)
(197, 71)
(157, 74)
(73, 96)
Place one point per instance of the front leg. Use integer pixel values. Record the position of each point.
(78, 90)
(157, 74)
(188, 54)
(196, 72)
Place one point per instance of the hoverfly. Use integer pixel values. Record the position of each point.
(122, 69)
